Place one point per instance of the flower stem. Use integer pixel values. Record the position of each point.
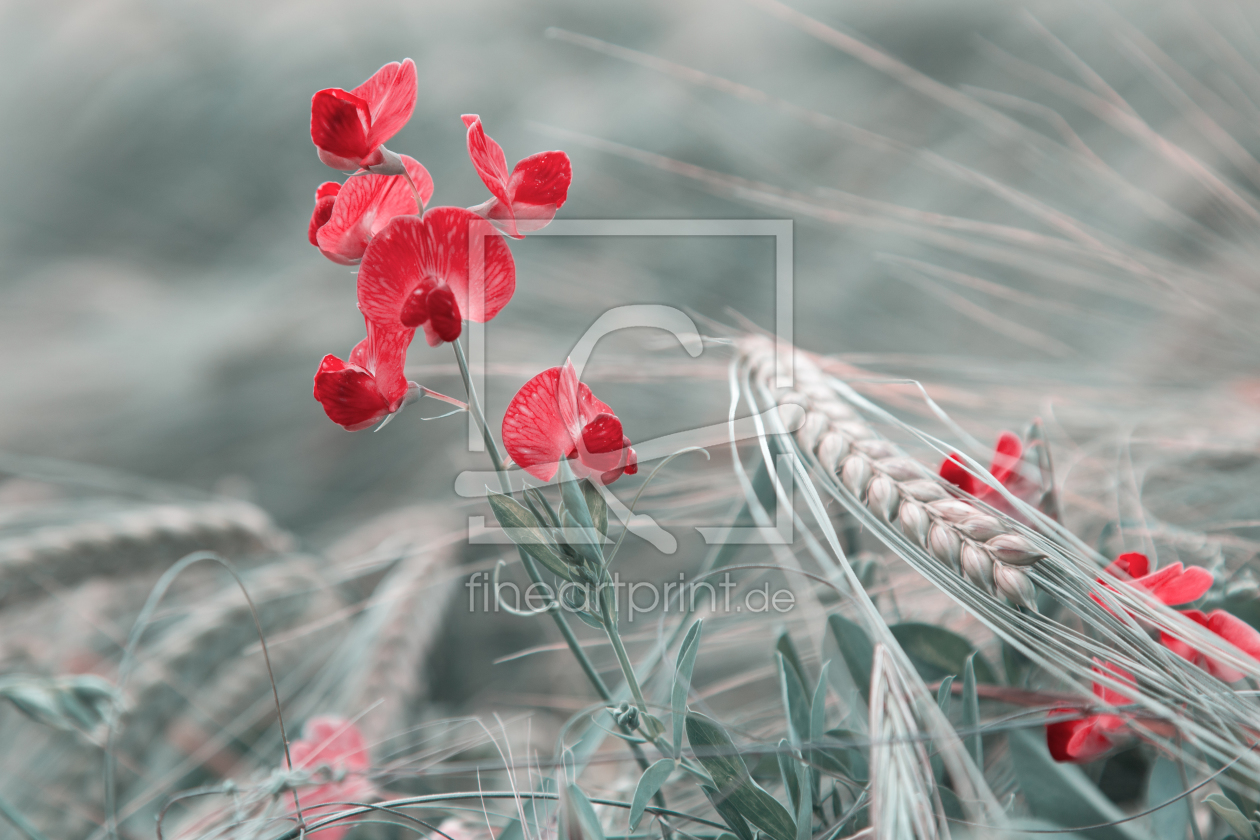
(492, 447)
(627, 669)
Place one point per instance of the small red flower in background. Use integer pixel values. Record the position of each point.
(435, 272)
(369, 388)
(1005, 468)
(336, 744)
(350, 128)
(554, 417)
(525, 200)
(347, 216)
(1229, 627)
(1172, 585)
(1092, 737)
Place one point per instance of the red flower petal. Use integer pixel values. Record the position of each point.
(1059, 734)
(391, 98)
(349, 395)
(1006, 457)
(384, 354)
(533, 433)
(540, 180)
(953, 471)
(410, 252)
(1173, 586)
(415, 310)
(487, 159)
(600, 444)
(1237, 632)
(444, 314)
(365, 205)
(328, 189)
(1133, 563)
(340, 122)
(567, 402)
(1089, 742)
(319, 217)
(330, 740)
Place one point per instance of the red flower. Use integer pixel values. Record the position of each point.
(1229, 627)
(349, 129)
(347, 216)
(1088, 738)
(1006, 457)
(1172, 585)
(554, 417)
(526, 200)
(337, 745)
(435, 272)
(371, 386)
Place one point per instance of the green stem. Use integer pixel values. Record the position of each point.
(623, 658)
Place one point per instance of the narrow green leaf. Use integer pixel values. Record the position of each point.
(522, 527)
(682, 681)
(971, 713)
(580, 820)
(649, 783)
(818, 707)
(795, 704)
(787, 770)
(714, 749)
(843, 759)
(857, 650)
(1171, 821)
(784, 646)
(937, 653)
(1062, 793)
(597, 505)
(1230, 814)
(945, 695)
(805, 805)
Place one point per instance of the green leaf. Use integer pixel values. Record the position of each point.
(1062, 793)
(1230, 814)
(945, 695)
(598, 507)
(788, 771)
(857, 650)
(682, 681)
(522, 527)
(784, 646)
(938, 653)
(714, 749)
(580, 822)
(1172, 821)
(971, 714)
(818, 707)
(795, 703)
(733, 820)
(649, 783)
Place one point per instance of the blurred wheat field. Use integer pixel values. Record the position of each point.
(1041, 211)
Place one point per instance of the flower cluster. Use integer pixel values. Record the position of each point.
(433, 268)
(1175, 585)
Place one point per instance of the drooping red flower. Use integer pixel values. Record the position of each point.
(371, 386)
(436, 272)
(1229, 627)
(525, 200)
(350, 127)
(1085, 739)
(554, 417)
(347, 216)
(332, 748)
(1005, 468)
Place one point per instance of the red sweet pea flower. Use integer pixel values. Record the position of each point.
(350, 128)
(336, 745)
(1006, 457)
(1172, 585)
(435, 272)
(1229, 627)
(554, 417)
(527, 199)
(346, 217)
(371, 386)
(1088, 738)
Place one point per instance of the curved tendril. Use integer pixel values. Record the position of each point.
(501, 604)
(626, 529)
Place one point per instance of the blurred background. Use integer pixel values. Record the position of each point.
(1036, 209)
